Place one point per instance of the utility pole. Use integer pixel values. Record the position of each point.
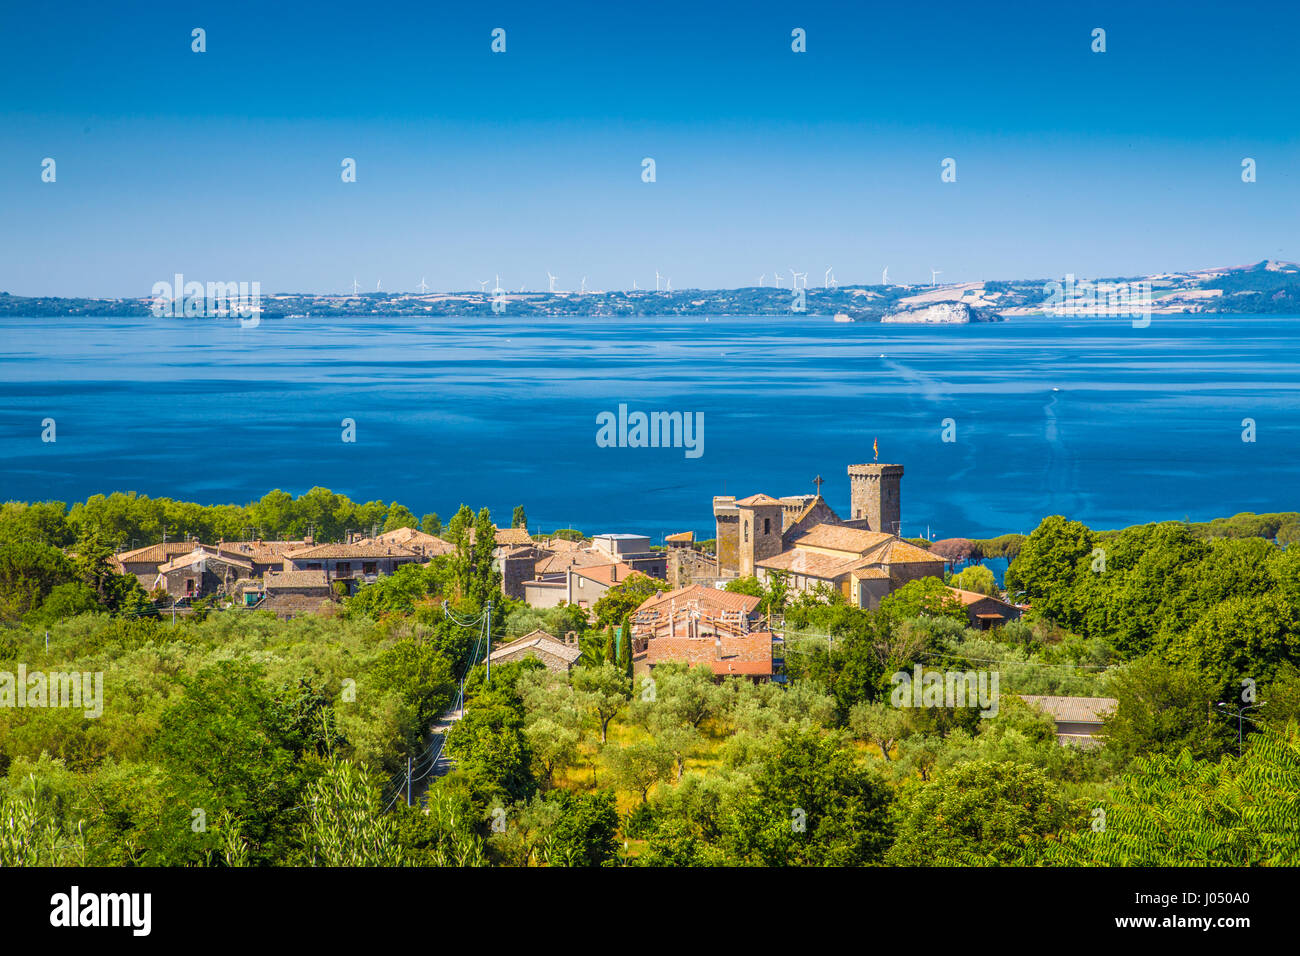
(408, 780)
(487, 659)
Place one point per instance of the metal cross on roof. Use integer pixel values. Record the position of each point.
(819, 481)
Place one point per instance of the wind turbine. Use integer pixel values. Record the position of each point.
(884, 276)
(482, 284)
(795, 277)
(424, 286)
(497, 290)
(551, 280)
(354, 285)
(760, 279)
(656, 280)
(634, 286)
(583, 290)
(669, 287)
(826, 279)
(378, 283)
(933, 274)
(776, 278)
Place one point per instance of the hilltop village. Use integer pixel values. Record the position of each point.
(799, 541)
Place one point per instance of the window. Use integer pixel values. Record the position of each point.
(746, 530)
(344, 568)
(767, 526)
(369, 567)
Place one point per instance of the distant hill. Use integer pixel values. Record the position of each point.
(1265, 287)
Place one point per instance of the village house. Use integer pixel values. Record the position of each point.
(413, 539)
(582, 586)
(1078, 719)
(203, 572)
(558, 656)
(985, 612)
(353, 564)
(290, 593)
(695, 611)
(704, 626)
(633, 550)
(264, 555)
(145, 562)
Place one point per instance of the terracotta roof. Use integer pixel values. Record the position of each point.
(542, 641)
(358, 549)
(262, 552)
(156, 553)
(972, 597)
(684, 536)
(754, 500)
(870, 573)
(707, 599)
(839, 538)
(513, 536)
(414, 539)
(203, 554)
(289, 580)
(747, 655)
(606, 573)
(900, 552)
(1087, 710)
(556, 563)
(811, 563)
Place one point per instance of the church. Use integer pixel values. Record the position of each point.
(803, 539)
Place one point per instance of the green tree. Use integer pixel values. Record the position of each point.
(979, 813)
(1163, 708)
(399, 516)
(976, 578)
(345, 824)
(1048, 567)
(519, 519)
(604, 692)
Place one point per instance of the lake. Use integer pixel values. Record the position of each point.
(1090, 418)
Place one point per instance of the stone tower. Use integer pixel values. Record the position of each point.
(874, 496)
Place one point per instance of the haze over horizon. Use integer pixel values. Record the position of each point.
(225, 165)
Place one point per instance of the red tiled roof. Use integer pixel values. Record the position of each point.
(749, 655)
(754, 500)
(708, 598)
(610, 574)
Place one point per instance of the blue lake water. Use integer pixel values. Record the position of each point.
(1085, 417)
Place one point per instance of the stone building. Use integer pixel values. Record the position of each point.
(353, 564)
(802, 538)
(558, 656)
(145, 562)
(985, 612)
(202, 572)
(1078, 719)
(289, 593)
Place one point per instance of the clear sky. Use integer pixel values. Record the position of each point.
(225, 165)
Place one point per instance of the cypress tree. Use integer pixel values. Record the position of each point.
(625, 647)
(609, 644)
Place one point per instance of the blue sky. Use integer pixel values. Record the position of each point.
(225, 165)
